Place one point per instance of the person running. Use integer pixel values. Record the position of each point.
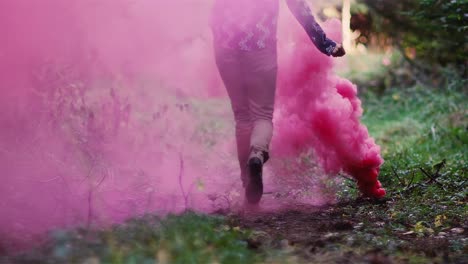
(244, 34)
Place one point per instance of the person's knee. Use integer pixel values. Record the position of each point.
(244, 127)
(242, 115)
(262, 112)
(263, 121)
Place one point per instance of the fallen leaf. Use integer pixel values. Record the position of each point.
(330, 235)
(162, 256)
(439, 220)
(422, 227)
(457, 230)
(92, 260)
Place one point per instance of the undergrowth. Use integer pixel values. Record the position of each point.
(186, 238)
(423, 135)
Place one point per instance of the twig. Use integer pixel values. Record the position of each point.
(461, 184)
(228, 202)
(399, 179)
(397, 176)
(411, 182)
(432, 178)
(49, 180)
(90, 209)
(439, 167)
(414, 186)
(90, 200)
(181, 174)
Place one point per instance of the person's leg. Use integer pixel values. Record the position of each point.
(260, 70)
(261, 86)
(229, 67)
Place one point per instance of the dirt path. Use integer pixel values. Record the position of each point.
(348, 232)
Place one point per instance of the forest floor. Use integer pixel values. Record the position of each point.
(357, 231)
(423, 133)
(423, 219)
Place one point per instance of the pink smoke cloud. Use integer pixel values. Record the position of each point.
(319, 110)
(107, 112)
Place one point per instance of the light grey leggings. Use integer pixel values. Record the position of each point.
(250, 80)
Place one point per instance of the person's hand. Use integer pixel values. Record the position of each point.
(338, 51)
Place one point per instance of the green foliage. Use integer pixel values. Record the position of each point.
(186, 238)
(440, 31)
(379, 72)
(424, 140)
(436, 30)
(423, 135)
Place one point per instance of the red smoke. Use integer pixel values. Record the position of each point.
(321, 111)
(106, 113)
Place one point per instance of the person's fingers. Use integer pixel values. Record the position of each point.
(338, 51)
(341, 52)
(335, 50)
(337, 47)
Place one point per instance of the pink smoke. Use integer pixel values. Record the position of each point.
(99, 113)
(107, 111)
(321, 111)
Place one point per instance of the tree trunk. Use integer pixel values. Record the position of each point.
(346, 23)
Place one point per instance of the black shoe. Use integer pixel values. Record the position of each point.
(254, 189)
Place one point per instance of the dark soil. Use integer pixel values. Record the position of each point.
(341, 233)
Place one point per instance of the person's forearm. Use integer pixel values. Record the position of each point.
(303, 14)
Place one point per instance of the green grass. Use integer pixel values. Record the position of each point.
(186, 238)
(423, 134)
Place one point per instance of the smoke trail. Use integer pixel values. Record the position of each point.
(321, 111)
(107, 111)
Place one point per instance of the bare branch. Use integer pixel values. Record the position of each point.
(397, 176)
(432, 179)
(181, 174)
